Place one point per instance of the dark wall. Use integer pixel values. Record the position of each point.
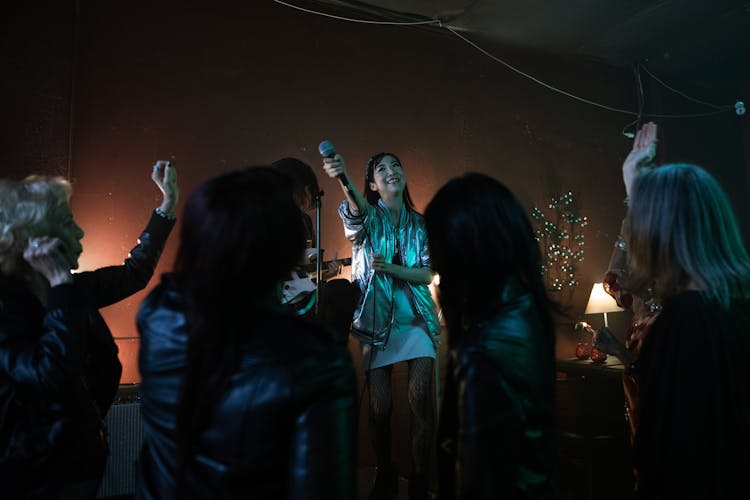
(248, 82)
(720, 142)
(37, 56)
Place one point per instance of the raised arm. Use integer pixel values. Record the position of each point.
(164, 176)
(640, 156)
(334, 167)
(108, 285)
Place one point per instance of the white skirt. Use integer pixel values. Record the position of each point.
(409, 338)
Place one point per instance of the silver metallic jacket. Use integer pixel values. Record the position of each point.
(371, 231)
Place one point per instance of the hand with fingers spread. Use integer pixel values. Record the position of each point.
(641, 155)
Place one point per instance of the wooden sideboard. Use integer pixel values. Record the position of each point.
(593, 444)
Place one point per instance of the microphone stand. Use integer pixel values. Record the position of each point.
(319, 260)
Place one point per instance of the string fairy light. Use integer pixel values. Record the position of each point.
(560, 233)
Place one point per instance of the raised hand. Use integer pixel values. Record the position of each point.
(164, 176)
(643, 151)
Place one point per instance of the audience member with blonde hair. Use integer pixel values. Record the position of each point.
(59, 369)
(692, 437)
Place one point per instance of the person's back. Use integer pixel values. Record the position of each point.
(695, 400)
(502, 386)
(240, 398)
(693, 419)
(496, 435)
(292, 377)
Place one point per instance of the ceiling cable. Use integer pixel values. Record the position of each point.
(536, 80)
(364, 21)
(715, 106)
(639, 114)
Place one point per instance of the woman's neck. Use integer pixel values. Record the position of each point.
(394, 204)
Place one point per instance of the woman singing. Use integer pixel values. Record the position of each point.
(396, 318)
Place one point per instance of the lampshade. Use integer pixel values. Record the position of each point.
(600, 301)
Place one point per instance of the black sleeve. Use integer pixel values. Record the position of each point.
(446, 435)
(322, 449)
(677, 406)
(112, 284)
(42, 363)
(490, 430)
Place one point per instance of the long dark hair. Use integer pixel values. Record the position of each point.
(373, 196)
(242, 228)
(479, 238)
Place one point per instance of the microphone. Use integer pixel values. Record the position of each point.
(327, 150)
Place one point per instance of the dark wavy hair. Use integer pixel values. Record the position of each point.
(241, 227)
(373, 196)
(480, 237)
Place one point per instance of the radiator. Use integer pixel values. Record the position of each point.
(125, 439)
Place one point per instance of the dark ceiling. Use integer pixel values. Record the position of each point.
(702, 43)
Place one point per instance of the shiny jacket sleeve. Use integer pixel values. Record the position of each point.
(108, 285)
(355, 225)
(322, 451)
(42, 364)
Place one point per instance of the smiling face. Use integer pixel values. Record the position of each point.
(63, 226)
(388, 177)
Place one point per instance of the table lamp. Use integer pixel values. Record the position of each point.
(601, 302)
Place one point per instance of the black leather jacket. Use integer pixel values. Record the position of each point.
(284, 426)
(496, 435)
(59, 372)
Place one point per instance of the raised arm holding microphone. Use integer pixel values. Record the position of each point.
(396, 319)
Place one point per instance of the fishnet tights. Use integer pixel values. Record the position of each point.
(421, 412)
